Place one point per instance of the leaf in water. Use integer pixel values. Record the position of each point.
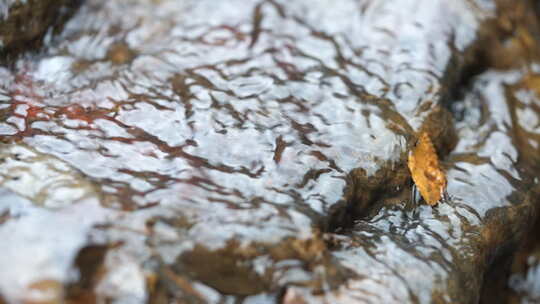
(426, 171)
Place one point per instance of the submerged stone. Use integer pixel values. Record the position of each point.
(256, 151)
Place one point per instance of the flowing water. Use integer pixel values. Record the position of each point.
(255, 151)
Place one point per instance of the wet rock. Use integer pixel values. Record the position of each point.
(515, 277)
(44, 180)
(494, 202)
(43, 244)
(23, 23)
(521, 281)
(255, 151)
(90, 265)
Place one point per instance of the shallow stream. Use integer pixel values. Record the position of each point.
(251, 151)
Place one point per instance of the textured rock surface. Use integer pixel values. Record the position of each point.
(24, 22)
(254, 151)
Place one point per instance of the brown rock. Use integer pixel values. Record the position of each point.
(23, 23)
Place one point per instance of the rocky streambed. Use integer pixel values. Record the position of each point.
(256, 152)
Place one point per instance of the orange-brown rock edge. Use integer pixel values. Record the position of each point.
(426, 171)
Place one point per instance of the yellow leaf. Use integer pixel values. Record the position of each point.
(426, 171)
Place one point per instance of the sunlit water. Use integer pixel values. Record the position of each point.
(196, 133)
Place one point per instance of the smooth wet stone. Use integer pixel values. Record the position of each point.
(43, 243)
(23, 23)
(41, 178)
(223, 138)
